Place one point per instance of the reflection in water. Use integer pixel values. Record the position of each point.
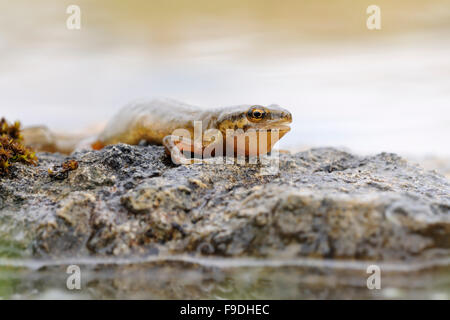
(192, 278)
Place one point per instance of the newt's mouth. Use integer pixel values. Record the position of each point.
(281, 127)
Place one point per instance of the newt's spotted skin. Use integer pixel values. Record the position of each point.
(156, 121)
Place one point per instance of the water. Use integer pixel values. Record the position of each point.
(188, 277)
(369, 91)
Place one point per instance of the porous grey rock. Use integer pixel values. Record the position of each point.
(131, 200)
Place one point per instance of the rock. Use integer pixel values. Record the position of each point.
(131, 200)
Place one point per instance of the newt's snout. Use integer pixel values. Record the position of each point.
(282, 115)
(287, 117)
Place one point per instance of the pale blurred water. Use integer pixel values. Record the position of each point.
(369, 91)
(189, 277)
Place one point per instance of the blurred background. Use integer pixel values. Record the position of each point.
(346, 86)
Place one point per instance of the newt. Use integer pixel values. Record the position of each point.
(160, 121)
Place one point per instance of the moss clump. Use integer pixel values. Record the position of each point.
(12, 148)
(61, 172)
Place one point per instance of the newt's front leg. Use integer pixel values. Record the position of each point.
(176, 146)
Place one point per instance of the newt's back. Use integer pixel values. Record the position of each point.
(150, 121)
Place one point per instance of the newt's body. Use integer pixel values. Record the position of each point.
(161, 121)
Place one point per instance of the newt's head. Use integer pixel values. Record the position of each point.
(272, 120)
(255, 117)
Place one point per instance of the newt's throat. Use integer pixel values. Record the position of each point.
(255, 142)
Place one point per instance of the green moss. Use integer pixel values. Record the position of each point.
(12, 148)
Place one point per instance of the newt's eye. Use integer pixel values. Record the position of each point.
(256, 114)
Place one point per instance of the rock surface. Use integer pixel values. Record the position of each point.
(131, 200)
